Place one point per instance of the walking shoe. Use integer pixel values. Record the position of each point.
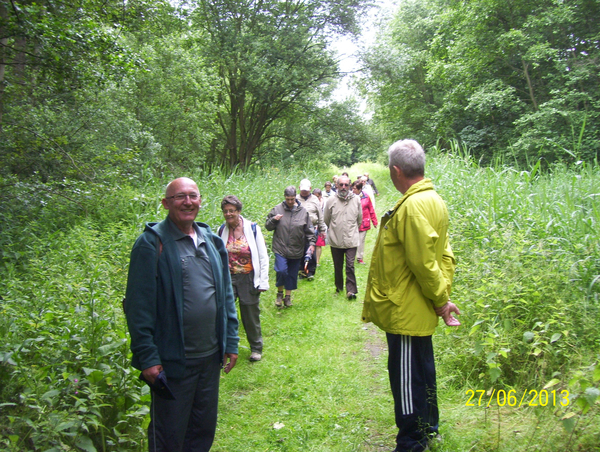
(287, 301)
(310, 277)
(351, 296)
(360, 261)
(255, 356)
(279, 300)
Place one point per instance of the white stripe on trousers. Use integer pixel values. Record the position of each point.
(406, 375)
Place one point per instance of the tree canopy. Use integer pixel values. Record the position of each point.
(515, 78)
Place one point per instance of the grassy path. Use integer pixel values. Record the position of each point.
(322, 376)
(323, 385)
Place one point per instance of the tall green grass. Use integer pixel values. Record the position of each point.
(527, 281)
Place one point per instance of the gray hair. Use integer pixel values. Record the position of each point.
(409, 156)
(289, 191)
(233, 200)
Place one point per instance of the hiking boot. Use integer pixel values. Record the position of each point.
(351, 296)
(279, 300)
(255, 356)
(287, 301)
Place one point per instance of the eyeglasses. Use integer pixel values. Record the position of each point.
(225, 212)
(344, 185)
(181, 196)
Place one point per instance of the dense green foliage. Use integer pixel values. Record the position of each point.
(528, 283)
(271, 59)
(102, 102)
(516, 78)
(91, 86)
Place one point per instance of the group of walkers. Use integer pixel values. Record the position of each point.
(184, 279)
(311, 219)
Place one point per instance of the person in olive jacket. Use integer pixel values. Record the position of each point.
(292, 229)
(408, 287)
(182, 321)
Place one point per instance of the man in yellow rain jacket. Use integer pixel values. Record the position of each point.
(408, 287)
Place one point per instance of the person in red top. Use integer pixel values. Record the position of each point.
(369, 217)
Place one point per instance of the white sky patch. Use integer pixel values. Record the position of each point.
(348, 50)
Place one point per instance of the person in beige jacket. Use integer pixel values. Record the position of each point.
(343, 216)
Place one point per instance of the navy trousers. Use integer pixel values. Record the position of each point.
(188, 423)
(286, 271)
(412, 377)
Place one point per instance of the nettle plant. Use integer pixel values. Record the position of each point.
(66, 364)
(527, 246)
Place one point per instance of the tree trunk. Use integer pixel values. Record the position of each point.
(529, 85)
(3, 42)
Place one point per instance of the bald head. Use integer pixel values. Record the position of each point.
(173, 187)
(182, 200)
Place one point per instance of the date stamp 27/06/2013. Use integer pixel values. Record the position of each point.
(529, 397)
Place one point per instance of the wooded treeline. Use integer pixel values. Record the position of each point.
(93, 85)
(513, 78)
(107, 91)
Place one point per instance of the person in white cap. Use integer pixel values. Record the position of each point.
(312, 204)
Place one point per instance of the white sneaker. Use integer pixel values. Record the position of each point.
(255, 356)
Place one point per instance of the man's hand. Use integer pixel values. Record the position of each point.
(229, 362)
(151, 373)
(445, 312)
(278, 217)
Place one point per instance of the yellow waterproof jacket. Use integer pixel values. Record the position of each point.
(412, 265)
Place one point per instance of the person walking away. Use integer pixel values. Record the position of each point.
(249, 268)
(368, 217)
(182, 321)
(292, 229)
(409, 285)
(343, 217)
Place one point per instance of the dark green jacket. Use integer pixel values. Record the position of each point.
(154, 299)
(292, 232)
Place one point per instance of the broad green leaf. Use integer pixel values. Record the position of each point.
(568, 421)
(551, 383)
(495, 373)
(52, 393)
(85, 443)
(528, 336)
(591, 394)
(109, 348)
